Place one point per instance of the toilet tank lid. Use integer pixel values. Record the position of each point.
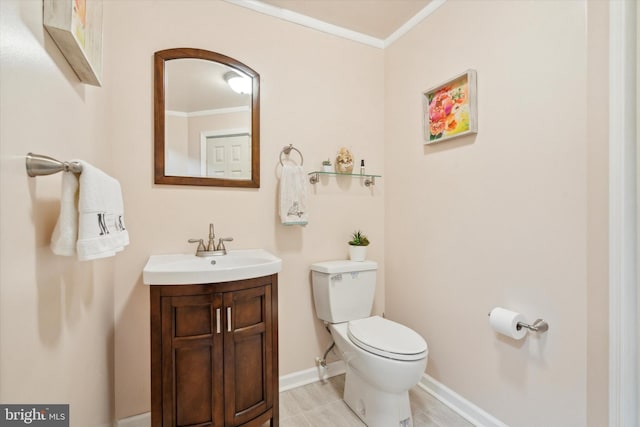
(343, 266)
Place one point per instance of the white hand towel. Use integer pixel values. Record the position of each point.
(65, 234)
(293, 196)
(99, 216)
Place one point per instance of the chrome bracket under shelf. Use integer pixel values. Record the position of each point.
(369, 180)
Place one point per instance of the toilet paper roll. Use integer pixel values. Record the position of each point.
(506, 322)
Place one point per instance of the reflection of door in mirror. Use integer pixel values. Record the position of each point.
(199, 101)
(226, 154)
(207, 127)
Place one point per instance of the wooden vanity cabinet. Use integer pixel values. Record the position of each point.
(214, 354)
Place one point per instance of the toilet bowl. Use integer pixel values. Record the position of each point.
(383, 359)
(376, 385)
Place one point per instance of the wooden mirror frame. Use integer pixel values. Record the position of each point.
(160, 58)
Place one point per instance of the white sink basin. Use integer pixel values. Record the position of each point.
(188, 269)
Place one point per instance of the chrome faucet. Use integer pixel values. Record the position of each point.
(212, 237)
(210, 249)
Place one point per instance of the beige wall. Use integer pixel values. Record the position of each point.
(514, 216)
(597, 213)
(56, 314)
(318, 92)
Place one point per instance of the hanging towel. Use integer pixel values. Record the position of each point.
(65, 233)
(293, 196)
(94, 216)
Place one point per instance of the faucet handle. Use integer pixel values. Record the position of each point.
(221, 243)
(200, 243)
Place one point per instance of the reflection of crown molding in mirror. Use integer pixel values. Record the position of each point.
(207, 112)
(174, 149)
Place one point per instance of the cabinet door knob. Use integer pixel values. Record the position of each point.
(217, 320)
(228, 319)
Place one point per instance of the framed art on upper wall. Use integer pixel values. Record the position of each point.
(450, 109)
(76, 27)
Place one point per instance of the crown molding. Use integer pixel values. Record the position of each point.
(307, 21)
(417, 18)
(325, 27)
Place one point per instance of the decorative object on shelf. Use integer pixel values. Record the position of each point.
(76, 27)
(327, 166)
(450, 109)
(344, 161)
(358, 246)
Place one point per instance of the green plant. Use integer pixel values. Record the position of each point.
(359, 239)
(326, 162)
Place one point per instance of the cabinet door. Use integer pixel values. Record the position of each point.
(192, 380)
(248, 354)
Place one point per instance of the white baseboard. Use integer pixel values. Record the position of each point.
(467, 410)
(140, 420)
(308, 376)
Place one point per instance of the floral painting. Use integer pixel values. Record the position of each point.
(450, 109)
(79, 20)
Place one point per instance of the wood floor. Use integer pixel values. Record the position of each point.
(320, 404)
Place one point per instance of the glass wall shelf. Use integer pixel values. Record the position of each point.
(314, 177)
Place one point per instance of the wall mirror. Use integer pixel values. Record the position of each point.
(207, 119)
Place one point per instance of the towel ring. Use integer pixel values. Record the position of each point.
(287, 151)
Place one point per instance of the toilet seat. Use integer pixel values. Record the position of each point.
(387, 338)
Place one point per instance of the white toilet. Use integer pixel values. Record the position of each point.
(383, 359)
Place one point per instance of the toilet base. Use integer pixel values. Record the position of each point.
(374, 407)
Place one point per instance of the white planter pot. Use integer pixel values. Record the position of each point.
(357, 253)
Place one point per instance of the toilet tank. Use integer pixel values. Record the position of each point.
(343, 290)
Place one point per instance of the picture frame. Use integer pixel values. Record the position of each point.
(450, 109)
(76, 28)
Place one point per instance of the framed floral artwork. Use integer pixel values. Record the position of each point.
(76, 27)
(450, 109)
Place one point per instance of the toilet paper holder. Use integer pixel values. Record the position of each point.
(538, 326)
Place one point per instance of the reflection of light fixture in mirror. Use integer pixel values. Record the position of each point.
(238, 83)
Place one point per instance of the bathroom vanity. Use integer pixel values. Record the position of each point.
(214, 353)
(214, 339)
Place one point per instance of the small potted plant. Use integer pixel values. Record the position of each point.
(358, 246)
(326, 166)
